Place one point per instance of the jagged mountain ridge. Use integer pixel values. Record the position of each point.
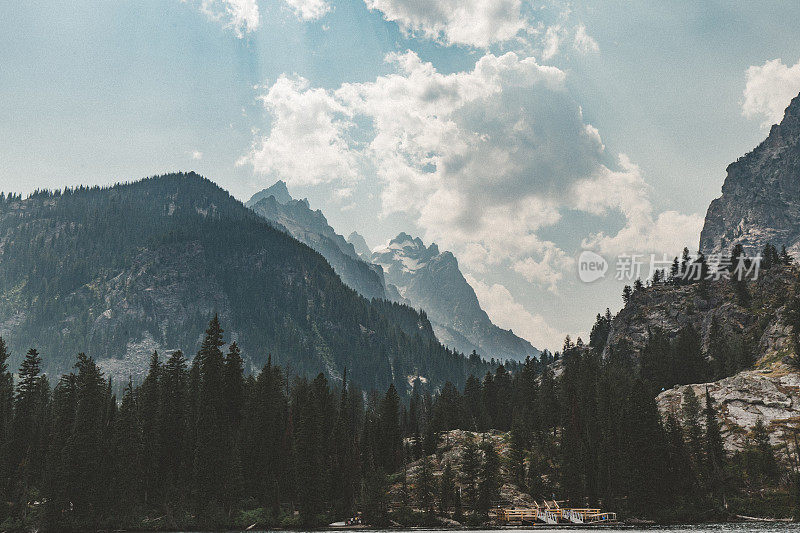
(760, 200)
(311, 227)
(420, 276)
(431, 280)
(360, 246)
(116, 272)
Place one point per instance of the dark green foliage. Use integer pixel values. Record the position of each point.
(448, 495)
(489, 485)
(470, 473)
(666, 363)
(425, 488)
(714, 452)
(187, 248)
(376, 505)
(6, 417)
(228, 448)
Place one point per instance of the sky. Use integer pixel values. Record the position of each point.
(515, 133)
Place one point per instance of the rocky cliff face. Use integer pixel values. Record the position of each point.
(670, 308)
(760, 200)
(771, 394)
(431, 280)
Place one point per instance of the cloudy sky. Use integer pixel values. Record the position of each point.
(515, 133)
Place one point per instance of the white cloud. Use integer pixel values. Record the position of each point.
(307, 142)
(196, 154)
(240, 15)
(584, 42)
(769, 89)
(477, 23)
(507, 313)
(480, 160)
(625, 190)
(552, 42)
(309, 9)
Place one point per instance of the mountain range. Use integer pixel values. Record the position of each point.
(121, 271)
(404, 271)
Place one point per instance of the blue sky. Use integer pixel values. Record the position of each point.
(514, 133)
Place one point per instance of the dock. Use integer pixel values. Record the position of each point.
(551, 513)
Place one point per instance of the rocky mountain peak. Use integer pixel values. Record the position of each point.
(279, 191)
(360, 246)
(431, 280)
(760, 200)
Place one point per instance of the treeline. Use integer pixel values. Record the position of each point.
(203, 445)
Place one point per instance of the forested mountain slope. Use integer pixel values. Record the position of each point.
(118, 272)
(311, 227)
(738, 340)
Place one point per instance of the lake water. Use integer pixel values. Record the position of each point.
(760, 527)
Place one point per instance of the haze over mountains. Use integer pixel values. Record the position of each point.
(432, 281)
(405, 271)
(121, 271)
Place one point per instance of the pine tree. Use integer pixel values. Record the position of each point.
(681, 482)
(6, 417)
(767, 465)
(473, 401)
(626, 294)
(447, 490)
(786, 259)
(470, 472)
(518, 452)
(390, 444)
(718, 349)
(345, 467)
(149, 404)
(646, 452)
(29, 429)
(128, 448)
(211, 453)
(84, 451)
(489, 485)
(693, 430)
(234, 388)
(376, 505)
(425, 488)
(548, 402)
(714, 450)
(173, 424)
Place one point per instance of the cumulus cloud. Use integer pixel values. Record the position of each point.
(506, 312)
(481, 160)
(477, 23)
(769, 89)
(625, 190)
(239, 15)
(307, 142)
(309, 9)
